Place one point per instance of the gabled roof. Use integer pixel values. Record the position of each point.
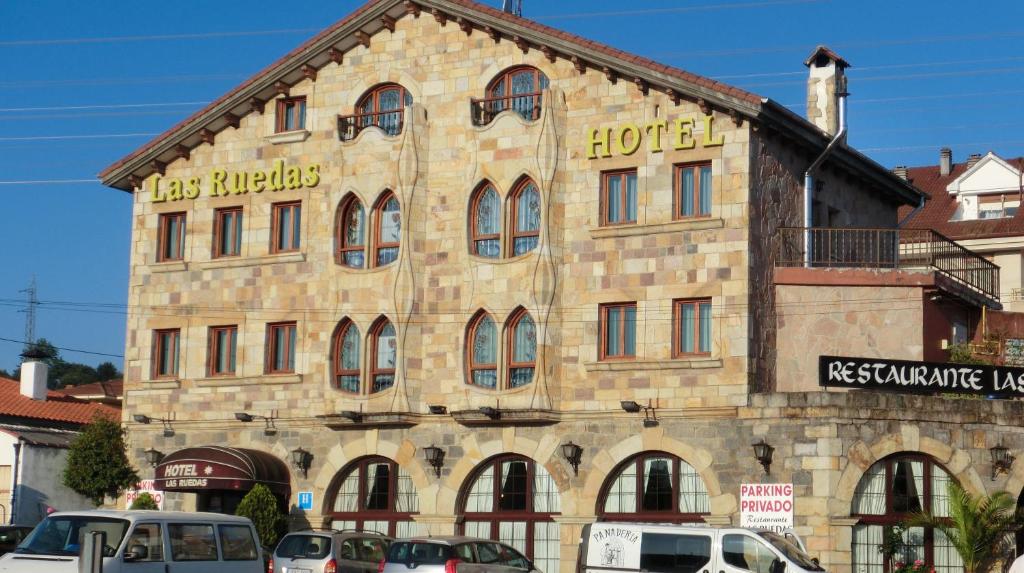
(56, 408)
(828, 53)
(377, 15)
(105, 389)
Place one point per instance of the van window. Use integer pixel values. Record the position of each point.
(236, 543)
(747, 553)
(419, 552)
(670, 553)
(148, 537)
(63, 535)
(297, 546)
(192, 542)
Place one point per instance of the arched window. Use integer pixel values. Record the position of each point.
(482, 351)
(518, 89)
(512, 499)
(525, 202)
(654, 486)
(384, 350)
(889, 492)
(373, 494)
(388, 227)
(383, 107)
(485, 222)
(346, 357)
(522, 349)
(351, 238)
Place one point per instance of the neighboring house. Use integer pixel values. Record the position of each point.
(36, 427)
(109, 392)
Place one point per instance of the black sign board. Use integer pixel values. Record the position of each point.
(910, 377)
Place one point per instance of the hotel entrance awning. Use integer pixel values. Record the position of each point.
(221, 468)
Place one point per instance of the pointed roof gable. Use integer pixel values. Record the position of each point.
(826, 52)
(991, 174)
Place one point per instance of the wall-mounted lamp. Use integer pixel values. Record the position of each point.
(1001, 460)
(438, 409)
(650, 416)
(763, 453)
(630, 406)
(144, 419)
(154, 457)
(356, 417)
(269, 430)
(492, 413)
(435, 457)
(302, 459)
(572, 454)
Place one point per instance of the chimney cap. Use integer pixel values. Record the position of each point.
(824, 51)
(34, 353)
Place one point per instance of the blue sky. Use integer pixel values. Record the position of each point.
(82, 80)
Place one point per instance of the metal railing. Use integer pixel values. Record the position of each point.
(390, 122)
(888, 248)
(483, 111)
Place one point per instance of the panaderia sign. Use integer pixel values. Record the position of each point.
(912, 377)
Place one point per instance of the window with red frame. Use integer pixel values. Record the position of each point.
(618, 197)
(618, 331)
(692, 318)
(522, 349)
(223, 346)
(227, 232)
(655, 487)
(166, 345)
(286, 227)
(383, 355)
(485, 222)
(525, 200)
(482, 351)
(351, 237)
(346, 357)
(693, 190)
(518, 89)
(171, 237)
(291, 114)
(383, 106)
(373, 494)
(281, 339)
(387, 220)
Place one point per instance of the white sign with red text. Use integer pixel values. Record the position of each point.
(766, 505)
(146, 486)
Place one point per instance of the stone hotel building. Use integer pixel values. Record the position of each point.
(448, 270)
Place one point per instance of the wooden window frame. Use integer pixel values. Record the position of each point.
(372, 117)
(514, 215)
(378, 214)
(336, 368)
(471, 365)
(362, 514)
(213, 349)
(677, 195)
(474, 238)
(340, 238)
(271, 346)
(666, 516)
(505, 77)
(275, 227)
(219, 230)
(163, 237)
(677, 321)
(158, 358)
(603, 331)
(298, 112)
(510, 348)
(375, 370)
(624, 175)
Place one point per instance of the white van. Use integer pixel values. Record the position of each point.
(141, 542)
(665, 548)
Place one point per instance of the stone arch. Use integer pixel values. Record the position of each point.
(496, 66)
(403, 453)
(381, 75)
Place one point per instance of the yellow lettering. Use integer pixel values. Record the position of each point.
(238, 183)
(599, 137)
(709, 136)
(684, 131)
(154, 190)
(277, 175)
(313, 173)
(634, 143)
(174, 190)
(256, 181)
(654, 129)
(192, 188)
(293, 178)
(217, 188)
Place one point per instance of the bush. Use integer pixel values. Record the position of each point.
(144, 501)
(97, 465)
(260, 506)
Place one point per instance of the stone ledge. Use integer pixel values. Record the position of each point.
(170, 267)
(671, 364)
(231, 262)
(288, 137)
(158, 385)
(656, 228)
(266, 379)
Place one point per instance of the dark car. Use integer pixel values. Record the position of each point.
(11, 536)
(455, 554)
(315, 551)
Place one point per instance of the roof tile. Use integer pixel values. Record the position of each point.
(57, 407)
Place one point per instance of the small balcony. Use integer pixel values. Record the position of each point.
(390, 122)
(484, 110)
(900, 249)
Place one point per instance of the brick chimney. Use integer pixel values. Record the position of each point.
(900, 171)
(826, 80)
(945, 161)
(33, 374)
(973, 159)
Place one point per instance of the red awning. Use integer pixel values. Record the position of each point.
(217, 467)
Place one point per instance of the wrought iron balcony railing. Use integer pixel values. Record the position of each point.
(483, 111)
(390, 122)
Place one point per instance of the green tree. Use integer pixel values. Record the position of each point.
(144, 501)
(262, 508)
(980, 529)
(107, 371)
(97, 465)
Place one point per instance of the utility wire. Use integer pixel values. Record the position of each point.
(24, 342)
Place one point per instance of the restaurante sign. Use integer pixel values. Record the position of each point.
(907, 376)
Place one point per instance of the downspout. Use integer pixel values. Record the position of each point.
(910, 215)
(809, 174)
(14, 484)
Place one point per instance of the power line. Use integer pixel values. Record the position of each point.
(50, 181)
(675, 10)
(154, 37)
(98, 106)
(88, 136)
(118, 81)
(65, 348)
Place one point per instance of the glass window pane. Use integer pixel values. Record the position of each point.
(148, 536)
(629, 329)
(481, 494)
(669, 553)
(686, 192)
(613, 331)
(687, 320)
(631, 199)
(407, 498)
(545, 491)
(296, 227)
(347, 499)
(907, 486)
(546, 546)
(866, 556)
(657, 484)
(705, 327)
(513, 486)
(693, 494)
(705, 190)
(236, 543)
(622, 494)
(377, 484)
(869, 497)
(613, 198)
(192, 542)
(390, 222)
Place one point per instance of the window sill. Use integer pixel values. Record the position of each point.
(229, 262)
(263, 380)
(501, 261)
(161, 384)
(696, 224)
(169, 267)
(294, 136)
(364, 271)
(668, 364)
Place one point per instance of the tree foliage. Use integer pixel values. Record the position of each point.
(63, 373)
(260, 506)
(980, 529)
(144, 501)
(97, 465)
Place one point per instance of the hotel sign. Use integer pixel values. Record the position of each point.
(905, 376)
(222, 182)
(627, 138)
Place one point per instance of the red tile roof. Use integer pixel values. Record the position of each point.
(57, 407)
(107, 388)
(940, 207)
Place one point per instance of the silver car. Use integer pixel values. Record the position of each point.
(454, 555)
(314, 551)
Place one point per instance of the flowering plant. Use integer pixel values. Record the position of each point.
(917, 566)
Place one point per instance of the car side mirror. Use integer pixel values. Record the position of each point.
(815, 561)
(136, 552)
(778, 566)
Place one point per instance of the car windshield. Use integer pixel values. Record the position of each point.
(419, 552)
(63, 535)
(791, 551)
(304, 547)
